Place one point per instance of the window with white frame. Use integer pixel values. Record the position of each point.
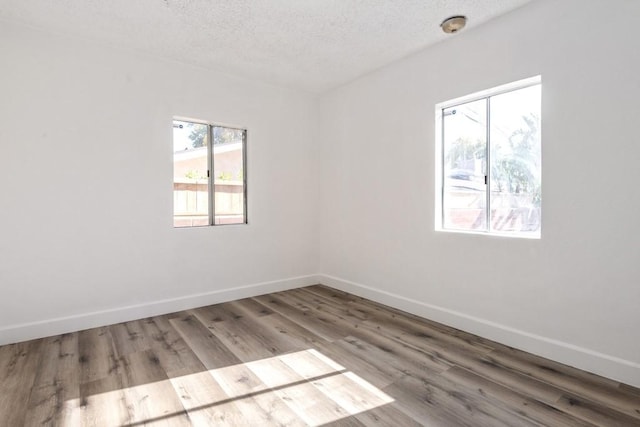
(489, 161)
(209, 179)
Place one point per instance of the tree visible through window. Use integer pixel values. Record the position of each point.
(490, 154)
(209, 184)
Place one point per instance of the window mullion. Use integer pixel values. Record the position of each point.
(488, 166)
(210, 177)
(244, 175)
(442, 190)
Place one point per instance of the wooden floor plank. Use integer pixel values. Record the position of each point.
(295, 335)
(209, 349)
(129, 337)
(595, 413)
(338, 320)
(309, 356)
(103, 402)
(415, 402)
(508, 399)
(205, 401)
(378, 314)
(444, 394)
(248, 337)
(148, 393)
(18, 366)
(55, 396)
(350, 391)
(258, 404)
(386, 416)
(476, 361)
(597, 389)
(98, 356)
(175, 355)
(628, 390)
(301, 315)
(310, 405)
(288, 329)
(337, 307)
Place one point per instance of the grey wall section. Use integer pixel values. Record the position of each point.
(574, 295)
(86, 183)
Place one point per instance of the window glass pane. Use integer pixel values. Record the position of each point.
(190, 182)
(228, 169)
(464, 149)
(515, 161)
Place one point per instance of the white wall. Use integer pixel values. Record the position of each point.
(574, 295)
(86, 233)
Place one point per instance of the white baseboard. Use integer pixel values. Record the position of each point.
(606, 365)
(27, 331)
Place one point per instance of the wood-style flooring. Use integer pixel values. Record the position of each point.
(310, 356)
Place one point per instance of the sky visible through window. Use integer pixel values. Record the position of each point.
(181, 139)
(518, 101)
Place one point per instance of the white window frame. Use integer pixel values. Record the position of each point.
(439, 157)
(211, 171)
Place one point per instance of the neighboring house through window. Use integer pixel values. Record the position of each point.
(489, 161)
(209, 179)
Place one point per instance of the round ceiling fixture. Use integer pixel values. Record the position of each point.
(453, 24)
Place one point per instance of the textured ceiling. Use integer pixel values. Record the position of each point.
(313, 45)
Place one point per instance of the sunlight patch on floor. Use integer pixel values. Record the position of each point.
(301, 388)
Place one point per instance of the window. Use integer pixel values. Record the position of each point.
(209, 180)
(489, 155)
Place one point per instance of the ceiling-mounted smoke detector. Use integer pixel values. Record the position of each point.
(453, 24)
